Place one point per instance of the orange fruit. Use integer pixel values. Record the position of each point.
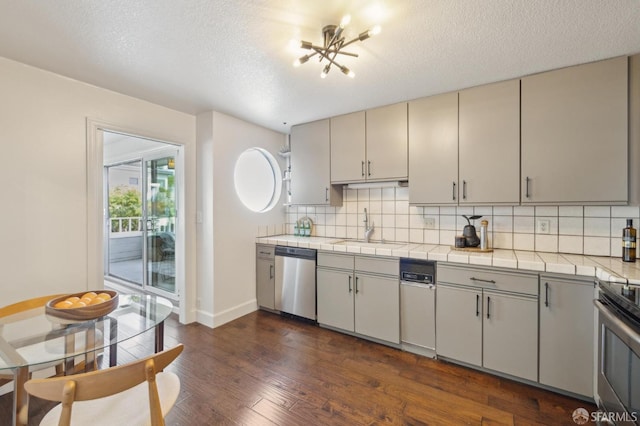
(78, 304)
(96, 300)
(105, 296)
(63, 304)
(86, 300)
(89, 295)
(73, 299)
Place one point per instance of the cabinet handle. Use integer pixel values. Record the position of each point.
(477, 305)
(270, 272)
(482, 281)
(454, 191)
(326, 194)
(488, 307)
(369, 168)
(350, 289)
(356, 285)
(546, 294)
(526, 194)
(362, 168)
(464, 189)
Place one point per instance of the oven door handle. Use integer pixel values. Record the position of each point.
(626, 333)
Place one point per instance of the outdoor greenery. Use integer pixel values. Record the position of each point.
(125, 201)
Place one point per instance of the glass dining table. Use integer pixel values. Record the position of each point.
(33, 340)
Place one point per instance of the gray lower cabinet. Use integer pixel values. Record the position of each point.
(265, 276)
(510, 334)
(488, 319)
(335, 298)
(566, 334)
(359, 294)
(459, 324)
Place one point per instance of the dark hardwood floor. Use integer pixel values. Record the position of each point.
(263, 369)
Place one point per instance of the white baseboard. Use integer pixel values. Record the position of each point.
(234, 312)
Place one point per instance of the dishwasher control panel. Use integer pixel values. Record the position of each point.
(418, 271)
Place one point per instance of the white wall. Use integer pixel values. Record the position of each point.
(43, 130)
(226, 260)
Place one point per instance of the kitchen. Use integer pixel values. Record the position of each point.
(212, 295)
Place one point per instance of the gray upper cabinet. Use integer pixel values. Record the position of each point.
(310, 176)
(433, 148)
(574, 134)
(348, 148)
(387, 146)
(370, 145)
(489, 144)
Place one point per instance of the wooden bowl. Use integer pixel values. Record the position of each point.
(83, 313)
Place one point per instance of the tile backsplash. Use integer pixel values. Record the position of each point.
(589, 230)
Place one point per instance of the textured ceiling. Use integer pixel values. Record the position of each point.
(234, 56)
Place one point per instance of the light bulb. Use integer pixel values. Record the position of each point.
(375, 30)
(345, 21)
(325, 71)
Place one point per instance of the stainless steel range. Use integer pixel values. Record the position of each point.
(618, 375)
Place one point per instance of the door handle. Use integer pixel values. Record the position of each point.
(326, 194)
(464, 189)
(357, 285)
(270, 272)
(454, 191)
(546, 294)
(369, 168)
(477, 305)
(526, 194)
(350, 289)
(488, 307)
(362, 168)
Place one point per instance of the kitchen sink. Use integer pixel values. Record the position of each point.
(371, 244)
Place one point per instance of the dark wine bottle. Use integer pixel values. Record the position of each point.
(629, 242)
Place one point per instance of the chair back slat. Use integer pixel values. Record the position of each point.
(25, 305)
(101, 383)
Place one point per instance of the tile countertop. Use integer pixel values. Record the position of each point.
(605, 268)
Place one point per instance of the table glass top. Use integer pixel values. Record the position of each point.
(33, 337)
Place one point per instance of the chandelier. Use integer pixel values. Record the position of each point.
(334, 42)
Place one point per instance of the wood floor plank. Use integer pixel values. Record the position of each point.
(264, 369)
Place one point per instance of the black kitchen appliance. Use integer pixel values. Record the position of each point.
(469, 232)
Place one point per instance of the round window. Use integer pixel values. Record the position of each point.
(257, 179)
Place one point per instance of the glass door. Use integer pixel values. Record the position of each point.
(141, 224)
(159, 212)
(124, 225)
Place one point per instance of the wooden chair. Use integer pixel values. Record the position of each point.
(20, 310)
(129, 394)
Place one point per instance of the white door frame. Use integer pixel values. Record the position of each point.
(96, 207)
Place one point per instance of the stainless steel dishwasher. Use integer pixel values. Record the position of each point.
(295, 285)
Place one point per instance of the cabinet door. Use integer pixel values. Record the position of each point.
(574, 134)
(510, 335)
(433, 150)
(348, 148)
(387, 147)
(459, 324)
(489, 144)
(335, 299)
(566, 335)
(377, 307)
(310, 163)
(265, 280)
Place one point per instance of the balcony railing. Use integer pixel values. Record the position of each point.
(129, 226)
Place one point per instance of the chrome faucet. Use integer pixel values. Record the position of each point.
(368, 230)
